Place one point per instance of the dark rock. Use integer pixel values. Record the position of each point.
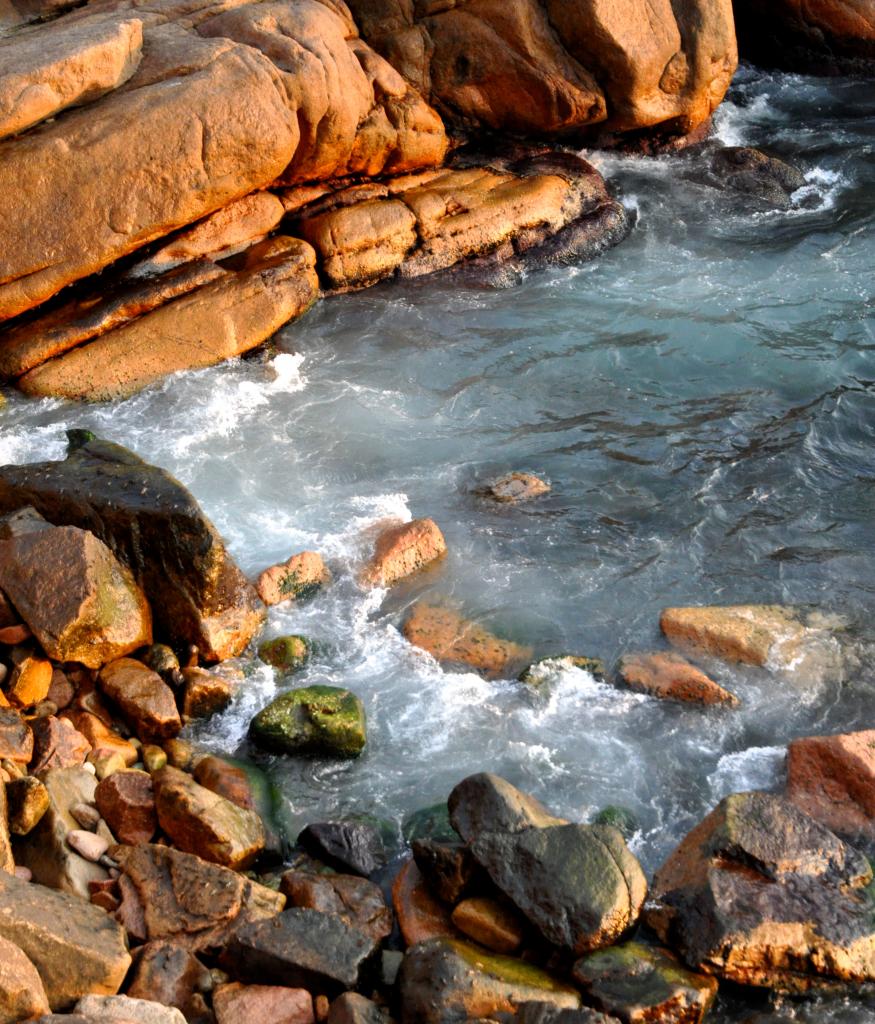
(756, 174)
(355, 899)
(345, 846)
(161, 659)
(430, 823)
(27, 801)
(156, 528)
(488, 803)
(545, 1013)
(445, 980)
(304, 948)
(449, 868)
(126, 800)
(314, 720)
(759, 893)
(168, 974)
(351, 1008)
(16, 738)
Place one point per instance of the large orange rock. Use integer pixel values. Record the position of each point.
(547, 67)
(670, 676)
(402, 550)
(22, 996)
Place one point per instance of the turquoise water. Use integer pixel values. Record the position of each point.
(702, 399)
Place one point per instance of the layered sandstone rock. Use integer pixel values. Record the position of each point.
(553, 66)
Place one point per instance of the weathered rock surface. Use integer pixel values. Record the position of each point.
(22, 995)
(124, 1010)
(488, 803)
(448, 868)
(7, 861)
(155, 527)
(402, 550)
(832, 778)
(294, 580)
(490, 922)
(761, 894)
(16, 738)
(76, 948)
(143, 697)
(516, 487)
(61, 65)
(204, 693)
(177, 897)
(456, 641)
(226, 779)
(670, 676)
(445, 979)
(756, 174)
(545, 67)
(300, 948)
(420, 915)
(638, 983)
(287, 653)
(168, 974)
(357, 900)
(345, 846)
(314, 720)
(201, 822)
(352, 1008)
(27, 800)
(57, 744)
(126, 801)
(278, 1004)
(30, 679)
(79, 601)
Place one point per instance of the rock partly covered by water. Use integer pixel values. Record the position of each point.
(670, 676)
(402, 550)
(155, 527)
(294, 580)
(760, 893)
(313, 720)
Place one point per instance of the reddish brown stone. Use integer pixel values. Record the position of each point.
(126, 801)
(16, 738)
(22, 996)
(355, 899)
(236, 1004)
(7, 862)
(226, 779)
(56, 744)
(167, 974)
(204, 693)
(670, 676)
(11, 635)
(144, 698)
(420, 915)
(402, 550)
(62, 691)
(104, 741)
(298, 578)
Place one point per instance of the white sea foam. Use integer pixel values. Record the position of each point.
(754, 768)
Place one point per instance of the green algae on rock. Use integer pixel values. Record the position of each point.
(620, 818)
(286, 653)
(327, 720)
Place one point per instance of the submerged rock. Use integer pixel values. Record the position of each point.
(155, 527)
(517, 487)
(620, 818)
(761, 894)
(403, 550)
(540, 671)
(446, 979)
(286, 653)
(297, 579)
(756, 174)
(317, 720)
(456, 641)
(670, 676)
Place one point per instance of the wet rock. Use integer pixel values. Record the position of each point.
(63, 65)
(771, 636)
(420, 915)
(143, 697)
(491, 923)
(345, 846)
(45, 850)
(402, 550)
(761, 894)
(541, 671)
(56, 744)
(638, 983)
(156, 528)
(620, 818)
(832, 778)
(124, 1010)
(318, 720)
(544, 1013)
(517, 487)
(168, 974)
(220, 320)
(201, 822)
(360, 902)
(449, 868)
(27, 801)
(22, 995)
(16, 738)
(756, 174)
(489, 803)
(429, 823)
(444, 980)
(126, 801)
(286, 653)
(301, 948)
(297, 579)
(352, 1008)
(670, 676)
(456, 641)
(177, 897)
(278, 1004)
(75, 947)
(161, 659)
(204, 693)
(30, 680)
(228, 780)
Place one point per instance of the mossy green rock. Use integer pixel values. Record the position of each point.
(539, 671)
(620, 818)
(430, 823)
(639, 983)
(313, 720)
(286, 653)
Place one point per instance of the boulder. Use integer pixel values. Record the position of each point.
(761, 894)
(126, 801)
(756, 174)
(228, 780)
(79, 601)
(176, 897)
(16, 738)
(27, 801)
(124, 1010)
(278, 1004)
(57, 744)
(300, 948)
(45, 850)
(402, 550)
(670, 676)
(204, 693)
(832, 778)
(445, 979)
(489, 803)
(146, 701)
(294, 580)
(448, 868)
(516, 487)
(490, 922)
(352, 846)
(288, 654)
(459, 642)
(357, 900)
(168, 974)
(22, 995)
(156, 528)
(637, 984)
(201, 822)
(314, 720)
(420, 915)
(76, 948)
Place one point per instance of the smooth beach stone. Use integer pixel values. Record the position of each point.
(316, 720)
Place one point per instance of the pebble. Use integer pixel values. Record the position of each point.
(87, 844)
(86, 815)
(154, 758)
(108, 764)
(89, 767)
(25, 874)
